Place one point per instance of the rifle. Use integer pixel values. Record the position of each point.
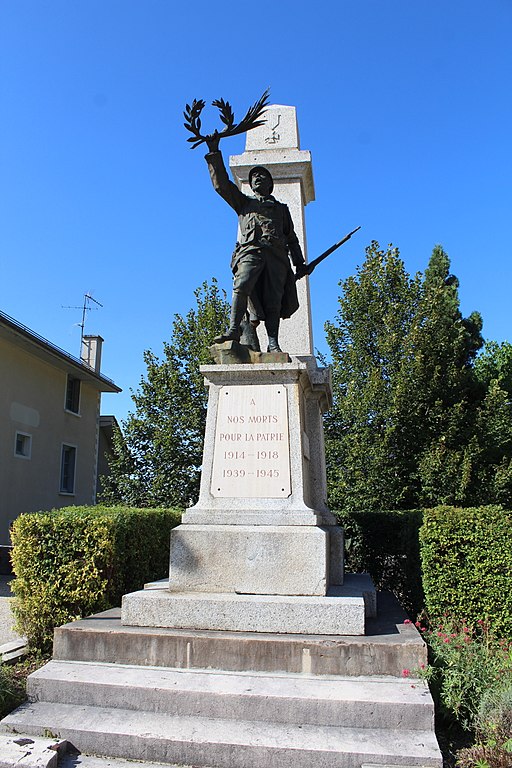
(312, 264)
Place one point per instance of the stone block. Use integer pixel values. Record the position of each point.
(265, 560)
(334, 614)
(20, 751)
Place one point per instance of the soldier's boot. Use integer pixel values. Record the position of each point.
(272, 326)
(249, 336)
(238, 309)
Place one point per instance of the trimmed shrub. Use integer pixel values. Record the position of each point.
(75, 561)
(386, 545)
(467, 565)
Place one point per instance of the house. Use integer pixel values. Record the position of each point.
(49, 422)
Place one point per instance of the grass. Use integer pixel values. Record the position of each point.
(13, 681)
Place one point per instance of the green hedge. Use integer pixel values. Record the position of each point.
(386, 545)
(75, 561)
(467, 565)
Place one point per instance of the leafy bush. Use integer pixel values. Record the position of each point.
(482, 755)
(495, 713)
(386, 545)
(469, 670)
(75, 561)
(470, 675)
(467, 565)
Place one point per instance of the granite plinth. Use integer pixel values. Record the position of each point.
(302, 505)
(334, 614)
(260, 560)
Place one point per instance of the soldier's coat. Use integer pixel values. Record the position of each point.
(266, 228)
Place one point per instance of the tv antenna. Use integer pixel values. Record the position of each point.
(86, 307)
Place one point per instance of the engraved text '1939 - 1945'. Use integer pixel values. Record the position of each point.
(252, 453)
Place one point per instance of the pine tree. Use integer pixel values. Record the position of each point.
(444, 348)
(402, 430)
(366, 445)
(157, 457)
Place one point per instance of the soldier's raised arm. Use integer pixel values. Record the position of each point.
(222, 184)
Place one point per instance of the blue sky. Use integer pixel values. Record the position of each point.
(405, 105)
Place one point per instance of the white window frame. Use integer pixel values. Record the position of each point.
(63, 491)
(27, 435)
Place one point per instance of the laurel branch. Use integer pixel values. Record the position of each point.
(192, 115)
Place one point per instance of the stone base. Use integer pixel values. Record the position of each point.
(235, 700)
(255, 560)
(341, 612)
(388, 647)
(234, 353)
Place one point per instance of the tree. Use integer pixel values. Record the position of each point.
(157, 458)
(468, 458)
(411, 423)
(366, 445)
(444, 348)
(495, 362)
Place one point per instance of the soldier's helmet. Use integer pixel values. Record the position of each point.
(267, 172)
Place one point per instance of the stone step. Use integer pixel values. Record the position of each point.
(388, 647)
(13, 650)
(223, 743)
(18, 751)
(294, 699)
(79, 760)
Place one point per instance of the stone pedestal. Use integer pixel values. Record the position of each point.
(261, 526)
(263, 494)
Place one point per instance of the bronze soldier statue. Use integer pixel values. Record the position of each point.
(264, 283)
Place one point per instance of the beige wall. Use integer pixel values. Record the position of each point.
(32, 400)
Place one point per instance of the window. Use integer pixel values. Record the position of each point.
(23, 445)
(67, 469)
(73, 394)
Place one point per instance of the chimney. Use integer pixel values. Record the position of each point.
(91, 352)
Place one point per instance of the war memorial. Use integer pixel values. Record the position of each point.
(258, 651)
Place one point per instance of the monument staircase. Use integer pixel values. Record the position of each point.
(222, 699)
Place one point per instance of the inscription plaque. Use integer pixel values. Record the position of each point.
(251, 457)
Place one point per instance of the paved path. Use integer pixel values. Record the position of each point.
(17, 750)
(7, 634)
